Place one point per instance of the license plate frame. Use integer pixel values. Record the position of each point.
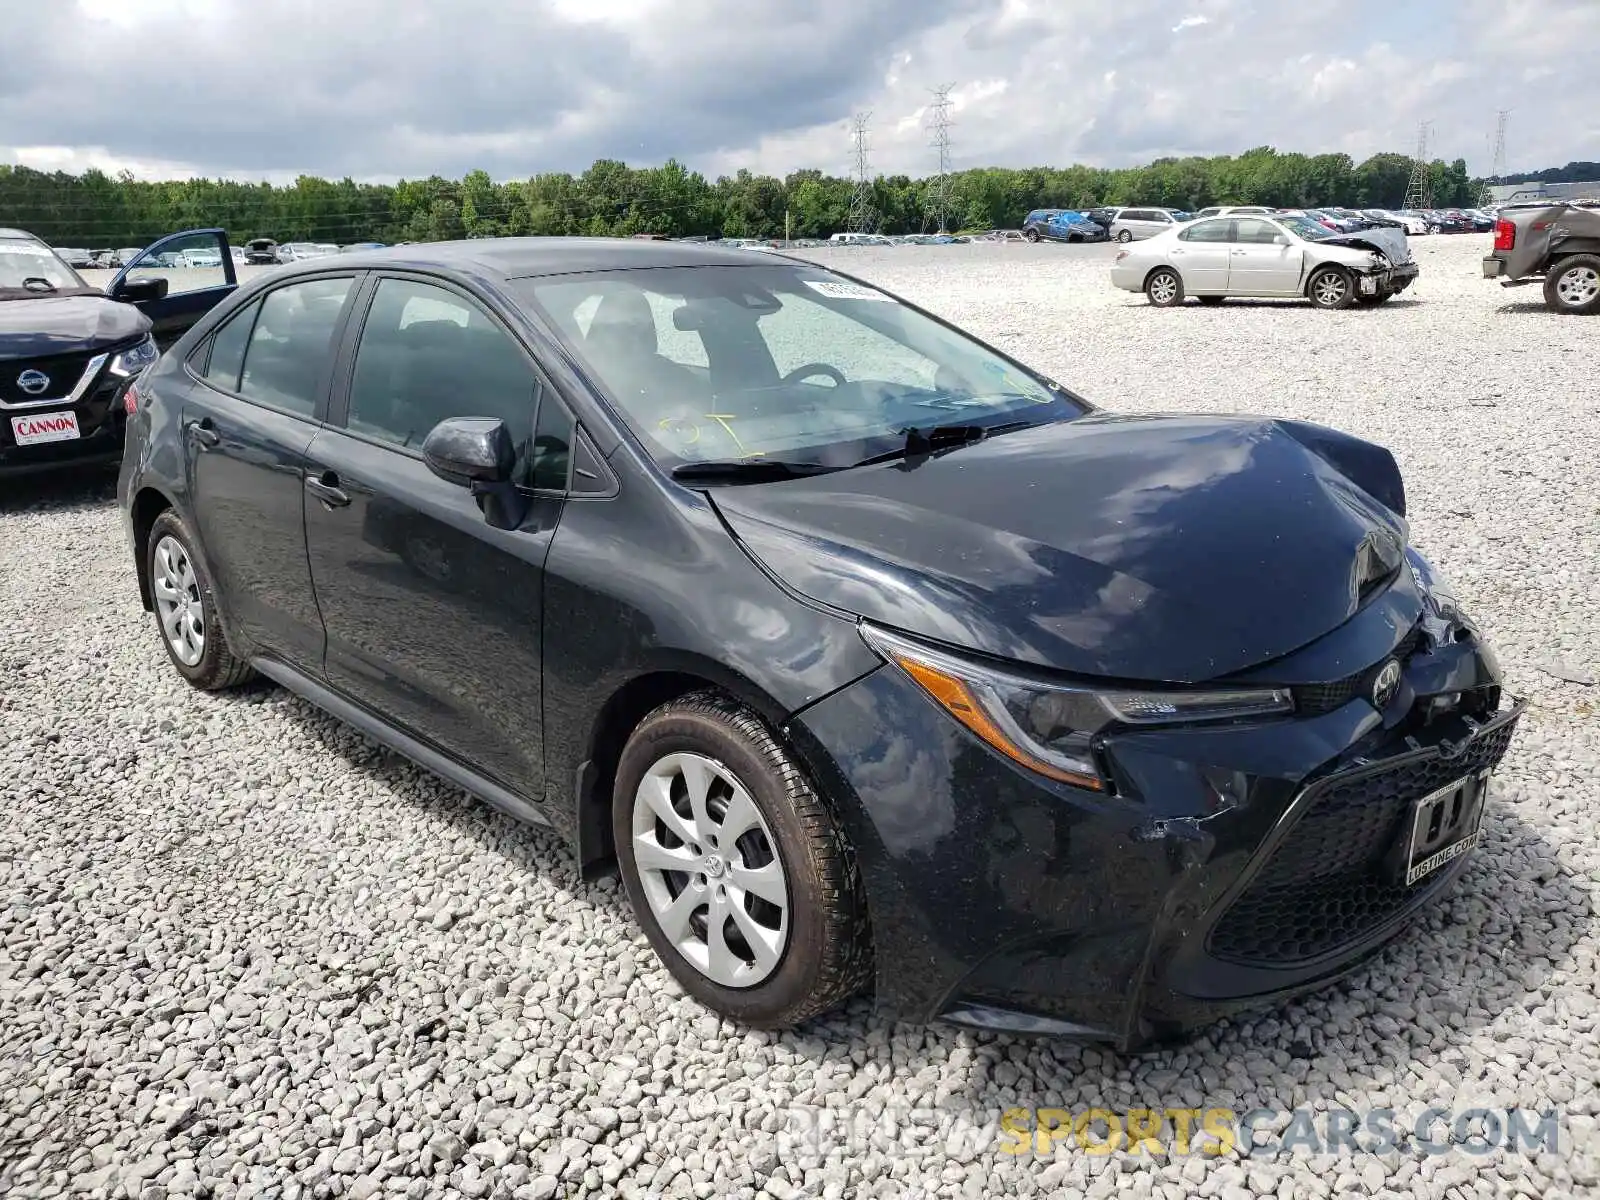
(41, 428)
(1442, 826)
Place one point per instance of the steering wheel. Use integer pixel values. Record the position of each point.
(807, 370)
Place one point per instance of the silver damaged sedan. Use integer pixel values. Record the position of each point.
(1276, 256)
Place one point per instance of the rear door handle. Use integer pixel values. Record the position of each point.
(203, 432)
(325, 487)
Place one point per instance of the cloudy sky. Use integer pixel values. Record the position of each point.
(378, 89)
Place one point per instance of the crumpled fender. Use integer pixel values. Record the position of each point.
(1369, 466)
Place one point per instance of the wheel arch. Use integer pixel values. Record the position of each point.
(615, 721)
(148, 504)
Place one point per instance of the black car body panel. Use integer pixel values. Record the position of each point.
(516, 660)
(1076, 546)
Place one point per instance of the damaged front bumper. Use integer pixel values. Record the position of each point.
(1235, 865)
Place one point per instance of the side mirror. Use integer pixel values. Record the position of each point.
(1282, 239)
(133, 291)
(477, 453)
(469, 450)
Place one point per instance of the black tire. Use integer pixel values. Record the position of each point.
(1163, 287)
(1211, 299)
(1125, 236)
(827, 957)
(1579, 274)
(216, 667)
(1031, 234)
(1331, 288)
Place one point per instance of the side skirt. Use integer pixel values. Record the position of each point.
(418, 752)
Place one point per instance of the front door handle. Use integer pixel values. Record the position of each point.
(325, 487)
(203, 432)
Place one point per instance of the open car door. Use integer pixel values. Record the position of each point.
(177, 280)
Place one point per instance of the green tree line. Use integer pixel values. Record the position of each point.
(96, 210)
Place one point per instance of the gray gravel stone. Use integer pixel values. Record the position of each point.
(243, 952)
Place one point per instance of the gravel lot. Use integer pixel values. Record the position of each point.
(245, 952)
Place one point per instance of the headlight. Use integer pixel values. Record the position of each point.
(136, 358)
(1049, 727)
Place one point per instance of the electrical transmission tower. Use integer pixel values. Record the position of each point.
(1497, 170)
(1419, 192)
(939, 121)
(860, 219)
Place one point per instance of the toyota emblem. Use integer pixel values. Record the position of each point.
(1385, 685)
(33, 382)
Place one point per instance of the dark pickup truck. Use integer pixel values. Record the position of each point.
(1558, 244)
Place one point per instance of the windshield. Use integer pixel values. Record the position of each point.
(1306, 228)
(787, 363)
(23, 261)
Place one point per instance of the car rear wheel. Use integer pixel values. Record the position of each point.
(1332, 287)
(1163, 287)
(186, 609)
(1125, 236)
(739, 873)
(1573, 285)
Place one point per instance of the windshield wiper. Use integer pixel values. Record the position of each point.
(922, 442)
(747, 470)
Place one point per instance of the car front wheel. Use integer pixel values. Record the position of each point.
(739, 873)
(1164, 287)
(186, 608)
(1331, 287)
(1125, 236)
(1573, 285)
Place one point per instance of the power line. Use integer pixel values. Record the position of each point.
(1419, 191)
(940, 122)
(860, 219)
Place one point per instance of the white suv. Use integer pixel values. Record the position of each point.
(1131, 224)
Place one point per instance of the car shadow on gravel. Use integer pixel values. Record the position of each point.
(71, 488)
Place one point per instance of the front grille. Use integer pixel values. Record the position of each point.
(1326, 885)
(1314, 699)
(63, 370)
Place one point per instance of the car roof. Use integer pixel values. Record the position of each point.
(19, 235)
(517, 258)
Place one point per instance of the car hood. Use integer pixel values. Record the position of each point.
(1391, 243)
(1154, 548)
(46, 325)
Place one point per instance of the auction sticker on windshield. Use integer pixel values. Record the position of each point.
(835, 290)
(44, 427)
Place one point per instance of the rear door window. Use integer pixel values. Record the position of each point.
(227, 348)
(290, 347)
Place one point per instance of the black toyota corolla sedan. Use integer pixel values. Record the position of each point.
(868, 656)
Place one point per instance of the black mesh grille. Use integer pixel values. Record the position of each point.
(63, 370)
(1312, 699)
(1326, 884)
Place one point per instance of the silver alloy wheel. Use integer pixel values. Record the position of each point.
(1164, 287)
(1330, 287)
(1124, 236)
(709, 868)
(1578, 285)
(178, 603)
